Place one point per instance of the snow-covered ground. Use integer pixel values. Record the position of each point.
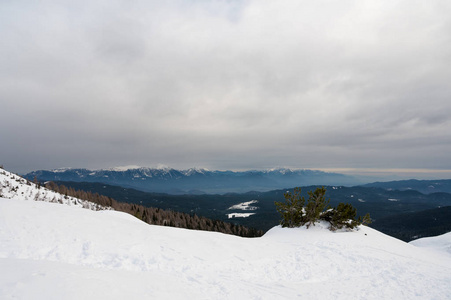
(245, 205)
(441, 243)
(53, 251)
(14, 186)
(239, 215)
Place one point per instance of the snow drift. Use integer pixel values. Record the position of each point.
(52, 251)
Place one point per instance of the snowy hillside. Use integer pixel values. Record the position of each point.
(441, 243)
(51, 251)
(14, 186)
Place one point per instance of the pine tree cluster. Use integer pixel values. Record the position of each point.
(296, 212)
(157, 216)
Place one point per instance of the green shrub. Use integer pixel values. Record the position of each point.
(295, 214)
(316, 205)
(342, 216)
(292, 210)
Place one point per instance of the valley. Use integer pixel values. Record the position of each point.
(383, 205)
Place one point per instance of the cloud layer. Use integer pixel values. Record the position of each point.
(225, 84)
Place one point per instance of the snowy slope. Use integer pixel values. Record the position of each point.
(51, 251)
(14, 186)
(440, 243)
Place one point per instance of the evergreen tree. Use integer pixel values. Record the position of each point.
(316, 204)
(292, 210)
(295, 214)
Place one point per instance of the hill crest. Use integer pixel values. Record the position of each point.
(55, 251)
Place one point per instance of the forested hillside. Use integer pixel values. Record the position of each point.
(14, 186)
(158, 216)
(414, 225)
(378, 202)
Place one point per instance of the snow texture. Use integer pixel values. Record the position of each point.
(51, 251)
(439, 243)
(245, 205)
(239, 215)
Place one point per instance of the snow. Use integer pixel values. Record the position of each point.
(54, 251)
(281, 170)
(162, 167)
(14, 186)
(61, 170)
(239, 215)
(245, 205)
(124, 168)
(440, 243)
(242, 206)
(193, 171)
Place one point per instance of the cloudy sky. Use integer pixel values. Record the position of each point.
(225, 84)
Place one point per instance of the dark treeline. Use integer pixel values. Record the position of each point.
(414, 225)
(157, 216)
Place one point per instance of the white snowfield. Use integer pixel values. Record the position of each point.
(54, 251)
(245, 205)
(14, 186)
(239, 215)
(439, 243)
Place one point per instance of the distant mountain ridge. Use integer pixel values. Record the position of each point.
(423, 186)
(195, 180)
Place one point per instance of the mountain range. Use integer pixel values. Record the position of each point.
(397, 208)
(196, 181)
(422, 186)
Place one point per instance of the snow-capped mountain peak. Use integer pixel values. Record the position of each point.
(167, 180)
(124, 168)
(163, 167)
(61, 170)
(193, 171)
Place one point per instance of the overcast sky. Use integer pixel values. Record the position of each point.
(225, 84)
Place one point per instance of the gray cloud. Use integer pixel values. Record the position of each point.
(225, 85)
